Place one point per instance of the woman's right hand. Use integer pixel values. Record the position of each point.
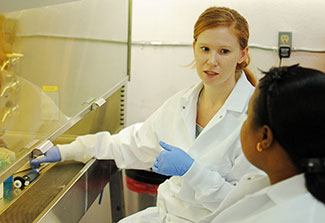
(51, 156)
(172, 161)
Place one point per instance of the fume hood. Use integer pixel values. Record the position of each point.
(64, 73)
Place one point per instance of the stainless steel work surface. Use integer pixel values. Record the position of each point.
(65, 191)
(29, 206)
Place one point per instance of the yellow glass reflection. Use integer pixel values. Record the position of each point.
(27, 113)
(54, 61)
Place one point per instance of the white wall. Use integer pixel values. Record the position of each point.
(157, 72)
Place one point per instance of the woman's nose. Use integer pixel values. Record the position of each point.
(212, 60)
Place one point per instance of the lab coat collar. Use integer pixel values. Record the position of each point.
(237, 99)
(194, 91)
(240, 95)
(287, 189)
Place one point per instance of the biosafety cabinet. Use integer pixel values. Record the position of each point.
(64, 66)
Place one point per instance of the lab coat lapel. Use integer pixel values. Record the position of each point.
(188, 107)
(236, 102)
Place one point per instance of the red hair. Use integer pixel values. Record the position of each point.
(221, 16)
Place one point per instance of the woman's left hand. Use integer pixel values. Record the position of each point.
(172, 161)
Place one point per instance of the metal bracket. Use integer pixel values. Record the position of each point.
(42, 148)
(98, 103)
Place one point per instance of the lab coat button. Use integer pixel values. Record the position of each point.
(183, 107)
(221, 116)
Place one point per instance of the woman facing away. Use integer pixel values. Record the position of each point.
(204, 120)
(283, 136)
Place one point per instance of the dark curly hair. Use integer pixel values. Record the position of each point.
(290, 101)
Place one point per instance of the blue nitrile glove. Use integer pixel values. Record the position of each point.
(51, 156)
(172, 161)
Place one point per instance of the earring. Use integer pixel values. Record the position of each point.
(259, 147)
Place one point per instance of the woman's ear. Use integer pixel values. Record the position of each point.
(194, 45)
(243, 55)
(267, 137)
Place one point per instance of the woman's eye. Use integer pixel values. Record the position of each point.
(205, 49)
(224, 51)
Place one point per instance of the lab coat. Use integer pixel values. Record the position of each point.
(285, 202)
(218, 159)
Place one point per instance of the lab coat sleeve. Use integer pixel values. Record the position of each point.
(134, 147)
(210, 188)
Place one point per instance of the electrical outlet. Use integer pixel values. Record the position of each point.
(285, 39)
(285, 44)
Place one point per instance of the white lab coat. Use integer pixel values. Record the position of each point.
(285, 202)
(219, 162)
